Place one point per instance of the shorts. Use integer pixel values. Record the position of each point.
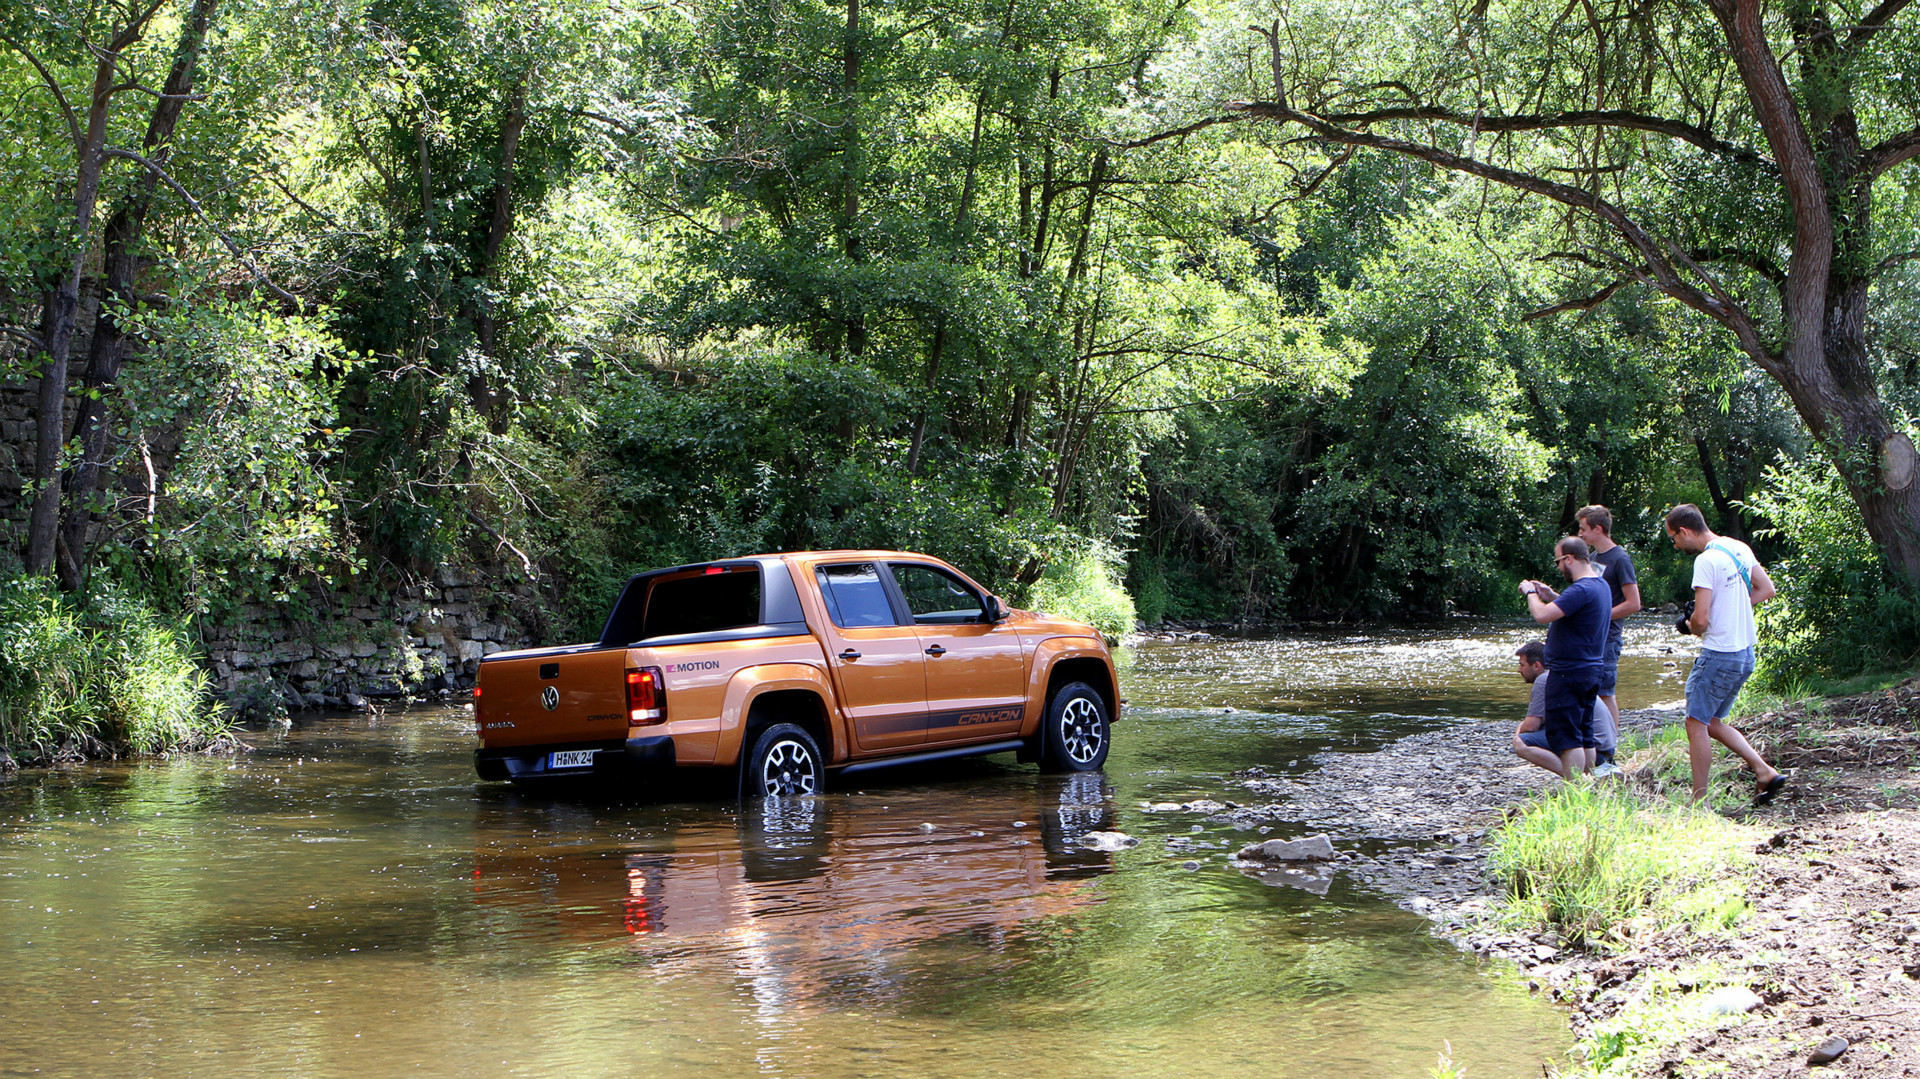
(1610, 661)
(1714, 682)
(1569, 718)
(1536, 738)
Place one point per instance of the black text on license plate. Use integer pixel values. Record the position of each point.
(571, 758)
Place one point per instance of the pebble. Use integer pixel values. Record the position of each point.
(1828, 1051)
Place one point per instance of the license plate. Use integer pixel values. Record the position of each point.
(572, 758)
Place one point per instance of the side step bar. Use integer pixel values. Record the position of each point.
(936, 755)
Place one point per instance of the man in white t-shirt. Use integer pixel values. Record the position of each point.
(1727, 582)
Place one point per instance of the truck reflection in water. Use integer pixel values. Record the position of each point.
(835, 876)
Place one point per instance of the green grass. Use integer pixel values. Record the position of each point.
(1599, 865)
(107, 673)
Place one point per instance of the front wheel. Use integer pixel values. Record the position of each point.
(784, 763)
(1075, 735)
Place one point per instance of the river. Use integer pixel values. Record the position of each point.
(347, 900)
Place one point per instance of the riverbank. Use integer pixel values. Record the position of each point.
(1830, 942)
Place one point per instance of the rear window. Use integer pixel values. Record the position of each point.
(855, 597)
(702, 603)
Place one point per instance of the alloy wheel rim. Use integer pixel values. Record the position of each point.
(789, 769)
(1080, 730)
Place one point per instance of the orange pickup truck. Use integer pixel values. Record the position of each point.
(788, 666)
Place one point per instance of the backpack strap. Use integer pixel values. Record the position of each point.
(1746, 577)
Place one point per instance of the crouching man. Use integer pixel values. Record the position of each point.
(1530, 737)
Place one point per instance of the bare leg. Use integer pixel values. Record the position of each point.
(1535, 755)
(1699, 755)
(1722, 732)
(1577, 760)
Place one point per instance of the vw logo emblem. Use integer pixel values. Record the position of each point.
(550, 697)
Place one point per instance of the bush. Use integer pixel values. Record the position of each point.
(1841, 610)
(1592, 860)
(107, 673)
(1085, 585)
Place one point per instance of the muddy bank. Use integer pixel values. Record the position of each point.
(1828, 956)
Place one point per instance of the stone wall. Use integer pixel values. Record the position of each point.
(422, 640)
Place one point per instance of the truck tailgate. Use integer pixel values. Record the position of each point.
(553, 696)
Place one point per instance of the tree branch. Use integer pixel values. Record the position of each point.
(1611, 118)
(1659, 269)
(194, 204)
(1890, 152)
(53, 86)
(1891, 261)
(1581, 305)
(1875, 20)
(1175, 133)
(22, 335)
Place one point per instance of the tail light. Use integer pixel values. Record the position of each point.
(476, 706)
(646, 697)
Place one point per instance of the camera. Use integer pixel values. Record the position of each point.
(1686, 612)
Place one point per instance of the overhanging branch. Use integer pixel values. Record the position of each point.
(1891, 152)
(233, 246)
(1587, 118)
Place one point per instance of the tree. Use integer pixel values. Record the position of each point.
(1726, 155)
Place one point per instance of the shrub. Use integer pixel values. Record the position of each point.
(108, 671)
(1085, 585)
(1842, 610)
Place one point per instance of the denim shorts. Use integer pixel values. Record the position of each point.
(1610, 661)
(1536, 738)
(1715, 681)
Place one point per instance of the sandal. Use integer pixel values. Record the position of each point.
(1773, 787)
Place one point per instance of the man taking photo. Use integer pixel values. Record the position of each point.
(1576, 622)
(1727, 581)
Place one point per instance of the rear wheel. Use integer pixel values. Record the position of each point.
(1075, 735)
(784, 763)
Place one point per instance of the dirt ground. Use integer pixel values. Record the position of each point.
(1831, 946)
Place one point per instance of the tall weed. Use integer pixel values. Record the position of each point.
(109, 672)
(1595, 862)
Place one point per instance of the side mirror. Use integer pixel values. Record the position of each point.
(997, 609)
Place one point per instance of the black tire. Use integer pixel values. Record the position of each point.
(1075, 735)
(784, 763)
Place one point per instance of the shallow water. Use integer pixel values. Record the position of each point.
(347, 900)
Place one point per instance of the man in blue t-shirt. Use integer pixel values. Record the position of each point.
(1577, 621)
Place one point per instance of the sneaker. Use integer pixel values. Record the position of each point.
(1602, 771)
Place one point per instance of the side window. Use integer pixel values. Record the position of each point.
(855, 596)
(936, 597)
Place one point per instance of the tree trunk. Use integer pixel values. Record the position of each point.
(487, 398)
(850, 182)
(120, 265)
(43, 525)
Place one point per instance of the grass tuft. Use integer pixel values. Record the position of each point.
(1600, 866)
(108, 673)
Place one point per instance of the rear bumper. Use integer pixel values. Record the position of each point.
(652, 753)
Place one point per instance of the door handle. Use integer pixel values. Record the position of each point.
(936, 650)
(849, 655)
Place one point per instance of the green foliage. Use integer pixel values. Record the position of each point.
(1597, 864)
(1085, 586)
(1841, 610)
(109, 671)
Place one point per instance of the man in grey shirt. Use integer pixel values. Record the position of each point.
(1529, 739)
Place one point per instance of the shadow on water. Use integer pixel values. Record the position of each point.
(348, 900)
